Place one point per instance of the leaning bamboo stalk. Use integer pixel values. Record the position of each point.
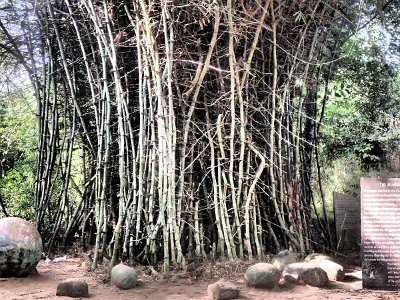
(175, 203)
(236, 201)
(153, 228)
(257, 228)
(197, 229)
(272, 129)
(222, 188)
(142, 122)
(214, 179)
(232, 99)
(250, 198)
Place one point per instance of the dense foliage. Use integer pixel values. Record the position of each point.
(363, 112)
(18, 144)
(359, 134)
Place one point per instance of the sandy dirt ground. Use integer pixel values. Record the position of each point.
(177, 286)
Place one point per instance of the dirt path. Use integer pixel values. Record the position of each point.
(43, 286)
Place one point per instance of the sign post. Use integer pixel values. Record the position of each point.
(347, 221)
(380, 233)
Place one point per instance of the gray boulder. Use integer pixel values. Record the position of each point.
(305, 273)
(283, 258)
(314, 277)
(333, 270)
(73, 287)
(21, 247)
(223, 290)
(262, 275)
(124, 276)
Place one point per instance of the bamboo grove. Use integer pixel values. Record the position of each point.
(193, 122)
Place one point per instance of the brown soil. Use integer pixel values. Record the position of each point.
(179, 285)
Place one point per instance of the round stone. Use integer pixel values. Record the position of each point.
(262, 275)
(20, 247)
(123, 276)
